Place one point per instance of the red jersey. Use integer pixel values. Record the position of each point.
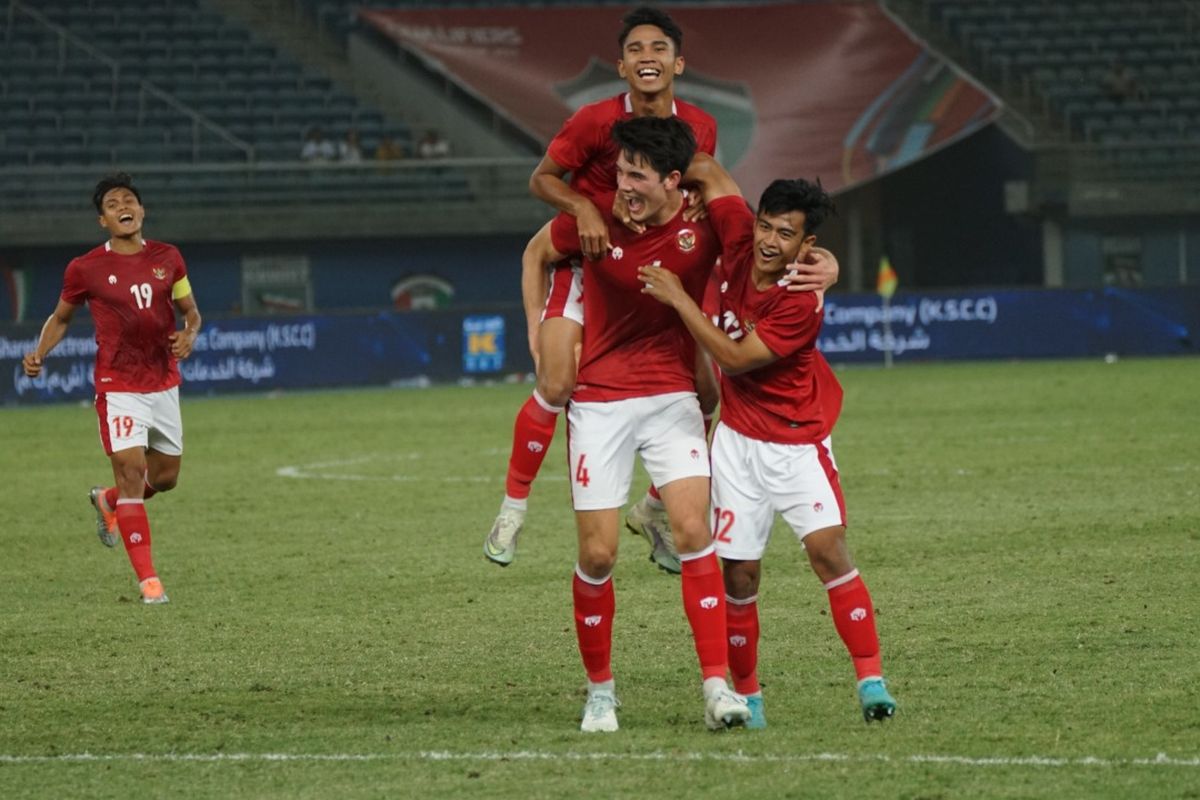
(796, 399)
(134, 312)
(584, 144)
(633, 345)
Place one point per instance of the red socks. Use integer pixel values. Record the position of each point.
(742, 623)
(595, 604)
(135, 532)
(532, 433)
(111, 495)
(854, 618)
(704, 604)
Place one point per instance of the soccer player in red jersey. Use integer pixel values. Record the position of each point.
(771, 451)
(636, 395)
(133, 288)
(651, 46)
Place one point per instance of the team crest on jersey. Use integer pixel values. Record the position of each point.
(617, 254)
(686, 240)
(160, 273)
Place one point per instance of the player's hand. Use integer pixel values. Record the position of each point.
(32, 364)
(695, 210)
(661, 284)
(621, 212)
(182, 343)
(817, 271)
(593, 233)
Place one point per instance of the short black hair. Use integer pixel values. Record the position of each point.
(783, 196)
(667, 144)
(646, 15)
(118, 180)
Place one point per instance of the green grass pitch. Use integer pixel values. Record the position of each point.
(1030, 533)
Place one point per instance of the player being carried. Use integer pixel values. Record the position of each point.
(133, 288)
(651, 57)
(771, 452)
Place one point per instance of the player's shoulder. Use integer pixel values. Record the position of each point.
(95, 254)
(693, 113)
(157, 248)
(610, 109)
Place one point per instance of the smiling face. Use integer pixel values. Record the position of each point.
(650, 197)
(779, 240)
(649, 60)
(121, 213)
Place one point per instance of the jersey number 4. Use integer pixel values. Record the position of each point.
(142, 294)
(581, 472)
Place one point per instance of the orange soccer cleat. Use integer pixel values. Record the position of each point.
(153, 592)
(106, 521)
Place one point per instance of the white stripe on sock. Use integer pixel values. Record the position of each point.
(836, 582)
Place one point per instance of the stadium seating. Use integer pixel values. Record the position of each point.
(1066, 51)
(64, 105)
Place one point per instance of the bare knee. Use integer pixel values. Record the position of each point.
(741, 578)
(828, 554)
(692, 534)
(556, 389)
(596, 559)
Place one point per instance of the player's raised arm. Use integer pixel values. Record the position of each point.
(548, 185)
(710, 178)
(52, 333)
(732, 356)
(535, 281)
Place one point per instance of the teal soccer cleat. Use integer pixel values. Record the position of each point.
(876, 703)
(758, 717)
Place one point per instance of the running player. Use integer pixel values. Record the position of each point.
(771, 452)
(133, 288)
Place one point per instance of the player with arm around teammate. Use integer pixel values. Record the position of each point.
(133, 288)
(772, 452)
(635, 396)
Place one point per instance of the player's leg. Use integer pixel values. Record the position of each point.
(559, 337)
(129, 473)
(816, 513)
(742, 517)
(595, 603)
(671, 441)
(600, 458)
(648, 517)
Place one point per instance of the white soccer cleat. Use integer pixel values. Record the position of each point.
(653, 526)
(600, 712)
(725, 708)
(500, 546)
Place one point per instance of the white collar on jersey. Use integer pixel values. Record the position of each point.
(108, 245)
(629, 106)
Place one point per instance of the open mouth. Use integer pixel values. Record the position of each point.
(125, 219)
(648, 73)
(635, 205)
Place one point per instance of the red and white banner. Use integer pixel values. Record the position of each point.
(831, 90)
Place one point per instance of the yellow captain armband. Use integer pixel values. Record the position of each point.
(181, 288)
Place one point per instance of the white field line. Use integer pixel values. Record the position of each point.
(740, 757)
(337, 471)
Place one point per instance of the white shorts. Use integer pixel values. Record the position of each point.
(667, 430)
(566, 292)
(752, 480)
(134, 419)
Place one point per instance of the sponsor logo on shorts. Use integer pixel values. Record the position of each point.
(593, 620)
(686, 240)
(709, 602)
(858, 614)
(818, 507)
(695, 454)
(737, 641)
